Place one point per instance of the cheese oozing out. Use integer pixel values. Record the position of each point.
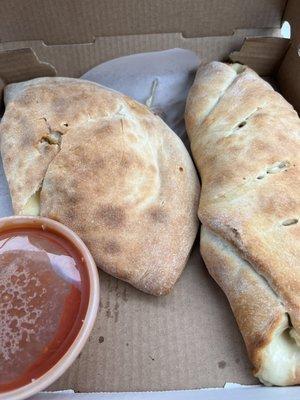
(239, 68)
(281, 357)
(32, 207)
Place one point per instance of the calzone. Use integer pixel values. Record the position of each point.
(245, 141)
(108, 168)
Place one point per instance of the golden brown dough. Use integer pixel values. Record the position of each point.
(108, 168)
(245, 141)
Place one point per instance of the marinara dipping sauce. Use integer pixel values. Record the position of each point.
(46, 281)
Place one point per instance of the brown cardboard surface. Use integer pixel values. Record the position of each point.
(289, 77)
(80, 21)
(289, 72)
(264, 55)
(188, 339)
(22, 64)
(75, 59)
(292, 15)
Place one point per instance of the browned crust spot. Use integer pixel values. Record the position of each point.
(158, 215)
(112, 216)
(112, 247)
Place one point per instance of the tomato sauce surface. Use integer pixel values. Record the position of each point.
(44, 293)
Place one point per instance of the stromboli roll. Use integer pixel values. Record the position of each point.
(245, 142)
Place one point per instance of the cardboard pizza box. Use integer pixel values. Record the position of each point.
(188, 339)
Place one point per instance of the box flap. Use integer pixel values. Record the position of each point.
(68, 21)
(22, 64)
(264, 55)
(75, 59)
